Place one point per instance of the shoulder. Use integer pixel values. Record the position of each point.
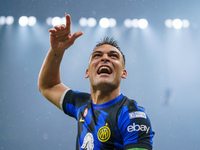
(134, 125)
(131, 105)
(74, 99)
(131, 110)
(71, 95)
(76, 93)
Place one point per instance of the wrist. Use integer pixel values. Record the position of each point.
(56, 52)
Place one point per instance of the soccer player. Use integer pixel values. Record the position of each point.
(107, 120)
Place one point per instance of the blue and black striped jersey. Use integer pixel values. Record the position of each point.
(115, 125)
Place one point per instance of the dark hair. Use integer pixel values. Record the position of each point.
(112, 42)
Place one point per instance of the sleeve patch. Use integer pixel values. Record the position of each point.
(137, 114)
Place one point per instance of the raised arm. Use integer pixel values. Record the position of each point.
(49, 81)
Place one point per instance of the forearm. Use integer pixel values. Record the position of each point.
(50, 71)
(49, 80)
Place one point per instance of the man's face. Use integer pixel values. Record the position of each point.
(106, 67)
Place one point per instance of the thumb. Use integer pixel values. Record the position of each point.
(76, 35)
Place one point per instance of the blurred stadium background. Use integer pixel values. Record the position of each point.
(159, 38)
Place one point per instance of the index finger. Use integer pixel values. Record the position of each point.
(68, 22)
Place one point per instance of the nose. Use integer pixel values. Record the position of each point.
(105, 58)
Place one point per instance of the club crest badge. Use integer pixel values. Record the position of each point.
(104, 133)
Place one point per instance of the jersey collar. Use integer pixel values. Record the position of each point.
(109, 103)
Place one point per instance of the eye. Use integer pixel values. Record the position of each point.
(96, 55)
(114, 55)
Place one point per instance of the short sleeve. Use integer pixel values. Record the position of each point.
(62, 99)
(135, 128)
(71, 101)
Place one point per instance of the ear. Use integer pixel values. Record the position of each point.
(124, 74)
(87, 74)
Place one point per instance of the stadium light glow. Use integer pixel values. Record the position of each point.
(168, 23)
(56, 21)
(83, 22)
(91, 22)
(142, 23)
(113, 22)
(2, 20)
(63, 20)
(134, 23)
(128, 23)
(104, 22)
(186, 23)
(9, 20)
(32, 21)
(49, 20)
(23, 21)
(177, 23)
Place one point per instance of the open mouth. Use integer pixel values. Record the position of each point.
(104, 70)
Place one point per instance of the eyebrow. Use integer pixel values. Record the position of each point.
(96, 52)
(102, 52)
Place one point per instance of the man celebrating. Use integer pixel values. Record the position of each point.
(107, 120)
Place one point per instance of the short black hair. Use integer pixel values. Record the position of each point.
(112, 42)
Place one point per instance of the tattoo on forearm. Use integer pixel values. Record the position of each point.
(56, 55)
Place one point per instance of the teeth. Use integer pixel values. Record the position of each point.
(104, 68)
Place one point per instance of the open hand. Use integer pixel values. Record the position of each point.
(60, 36)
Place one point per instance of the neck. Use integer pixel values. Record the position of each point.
(103, 96)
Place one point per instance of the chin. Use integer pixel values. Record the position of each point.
(106, 86)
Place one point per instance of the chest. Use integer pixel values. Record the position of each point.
(98, 127)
